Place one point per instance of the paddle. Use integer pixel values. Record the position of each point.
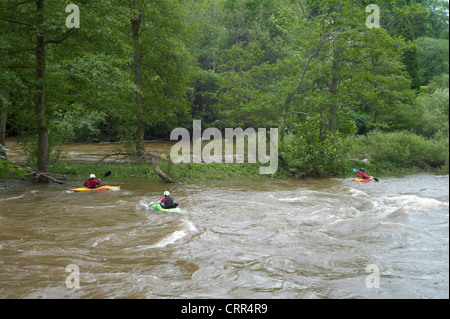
(106, 174)
(374, 178)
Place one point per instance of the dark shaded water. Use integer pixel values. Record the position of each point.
(261, 238)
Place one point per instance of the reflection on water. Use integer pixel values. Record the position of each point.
(240, 239)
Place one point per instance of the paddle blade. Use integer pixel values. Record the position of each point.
(376, 179)
(355, 170)
(107, 174)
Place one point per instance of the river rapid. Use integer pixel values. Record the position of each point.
(261, 238)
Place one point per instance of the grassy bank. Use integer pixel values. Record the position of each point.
(181, 172)
(381, 154)
(186, 172)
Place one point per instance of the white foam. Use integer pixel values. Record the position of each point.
(189, 225)
(414, 201)
(100, 241)
(175, 236)
(143, 203)
(293, 199)
(11, 198)
(357, 192)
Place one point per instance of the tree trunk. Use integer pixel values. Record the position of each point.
(335, 78)
(163, 176)
(140, 121)
(3, 117)
(40, 107)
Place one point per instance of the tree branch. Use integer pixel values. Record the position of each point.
(359, 46)
(64, 38)
(17, 22)
(322, 42)
(298, 112)
(17, 67)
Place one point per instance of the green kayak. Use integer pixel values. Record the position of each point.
(170, 210)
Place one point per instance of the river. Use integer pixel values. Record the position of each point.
(88, 152)
(261, 238)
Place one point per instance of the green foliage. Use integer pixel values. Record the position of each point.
(433, 56)
(181, 172)
(434, 121)
(230, 63)
(312, 150)
(71, 126)
(438, 82)
(400, 149)
(9, 168)
(216, 171)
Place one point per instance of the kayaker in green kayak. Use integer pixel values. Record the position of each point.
(167, 202)
(91, 182)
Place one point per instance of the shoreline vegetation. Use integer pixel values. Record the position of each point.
(341, 95)
(381, 154)
(385, 164)
(186, 172)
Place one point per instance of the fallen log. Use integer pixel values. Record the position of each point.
(163, 176)
(45, 177)
(114, 154)
(152, 158)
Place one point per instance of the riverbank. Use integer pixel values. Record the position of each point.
(181, 172)
(185, 172)
(79, 160)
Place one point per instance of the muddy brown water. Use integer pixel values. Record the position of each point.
(258, 238)
(89, 152)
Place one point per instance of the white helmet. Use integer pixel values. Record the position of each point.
(92, 176)
(166, 193)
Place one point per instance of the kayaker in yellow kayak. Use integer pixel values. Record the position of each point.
(91, 182)
(361, 174)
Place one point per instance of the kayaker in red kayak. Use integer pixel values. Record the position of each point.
(361, 174)
(91, 182)
(167, 202)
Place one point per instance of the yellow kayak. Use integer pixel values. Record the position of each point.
(363, 180)
(98, 189)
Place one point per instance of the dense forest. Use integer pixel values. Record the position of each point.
(341, 90)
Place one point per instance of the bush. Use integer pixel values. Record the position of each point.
(9, 168)
(310, 149)
(401, 149)
(435, 109)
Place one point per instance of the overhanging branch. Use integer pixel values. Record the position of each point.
(64, 38)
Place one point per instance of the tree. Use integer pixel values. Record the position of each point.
(404, 29)
(346, 64)
(43, 26)
(160, 64)
(433, 56)
(3, 117)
